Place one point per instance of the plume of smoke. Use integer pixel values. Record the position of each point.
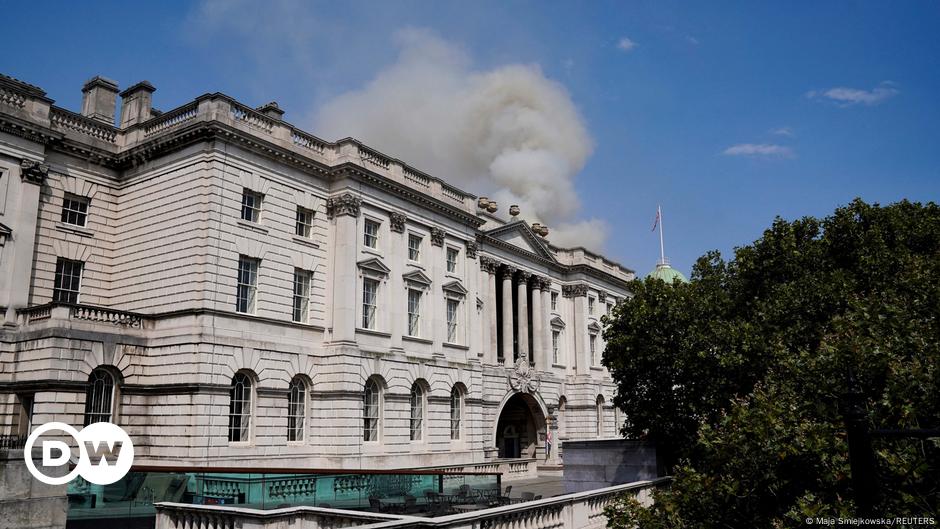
(509, 133)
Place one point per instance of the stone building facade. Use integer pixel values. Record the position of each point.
(234, 291)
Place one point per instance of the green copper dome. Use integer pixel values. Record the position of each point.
(667, 273)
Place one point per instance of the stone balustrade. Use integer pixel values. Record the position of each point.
(511, 469)
(91, 313)
(582, 510)
(70, 121)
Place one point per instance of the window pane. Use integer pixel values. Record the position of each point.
(370, 411)
(98, 397)
(74, 209)
(247, 284)
(370, 236)
(304, 224)
(414, 247)
(302, 280)
(239, 416)
(452, 307)
(369, 290)
(455, 411)
(251, 205)
(68, 276)
(414, 312)
(452, 254)
(296, 402)
(417, 412)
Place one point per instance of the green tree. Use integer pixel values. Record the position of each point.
(740, 375)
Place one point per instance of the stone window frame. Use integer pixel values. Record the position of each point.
(251, 205)
(75, 210)
(368, 236)
(297, 397)
(241, 409)
(102, 395)
(67, 282)
(303, 225)
(554, 300)
(418, 411)
(414, 252)
(301, 300)
(413, 328)
(457, 398)
(599, 411)
(455, 269)
(247, 284)
(374, 387)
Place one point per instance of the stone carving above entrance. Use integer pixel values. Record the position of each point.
(523, 378)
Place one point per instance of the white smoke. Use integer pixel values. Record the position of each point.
(509, 133)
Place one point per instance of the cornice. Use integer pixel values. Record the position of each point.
(415, 197)
(29, 131)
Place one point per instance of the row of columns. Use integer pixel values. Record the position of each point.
(521, 280)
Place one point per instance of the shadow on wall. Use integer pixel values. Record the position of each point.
(597, 463)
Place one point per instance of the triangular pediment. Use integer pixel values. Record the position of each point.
(519, 235)
(4, 229)
(418, 277)
(374, 265)
(454, 287)
(558, 322)
(594, 327)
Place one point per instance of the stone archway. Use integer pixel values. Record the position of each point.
(520, 428)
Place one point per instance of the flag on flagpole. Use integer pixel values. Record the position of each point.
(656, 221)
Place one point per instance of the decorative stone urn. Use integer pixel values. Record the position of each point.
(513, 210)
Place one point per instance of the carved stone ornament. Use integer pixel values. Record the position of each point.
(602, 297)
(574, 291)
(524, 276)
(507, 270)
(487, 264)
(437, 237)
(523, 378)
(33, 172)
(472, 249)
(396, 221)
(346, 204)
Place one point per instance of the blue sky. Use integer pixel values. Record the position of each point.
(726, 113)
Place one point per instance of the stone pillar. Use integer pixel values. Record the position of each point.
(538, 343)
(398, 307)
(344, 209)
(488, 267)
(546, 322)
(523, 318)
(25, 215)
(507, 272)
(582, 351)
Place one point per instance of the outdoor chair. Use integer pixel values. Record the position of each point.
(537, 497)
(375, 504)
(527, 496)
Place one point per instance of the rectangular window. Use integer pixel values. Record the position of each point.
(452, 306)
(414, 247)
(74, 210)
(609, 308)
(370, 289)
(452, 254)
(556, 336)
(414, 312)
(304, 227)
(370, 234)
(68, 280)
(247, 284)
(594, 359)
(251, 205)
(554, 300)
(301, 295)
(590, 305)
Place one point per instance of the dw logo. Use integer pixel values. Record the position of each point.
(106, 453)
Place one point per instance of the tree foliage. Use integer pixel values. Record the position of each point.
(740, 375)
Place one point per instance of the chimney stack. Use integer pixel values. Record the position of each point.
(99, 99)
(271, 110)
(136, 104)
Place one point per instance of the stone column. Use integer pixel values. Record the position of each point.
(538, 342)
(546, 322)
(344, 209)
(523, 310)
(507, 272)
(488, 267)
(19, 250)
(582, 351)
(396, 285)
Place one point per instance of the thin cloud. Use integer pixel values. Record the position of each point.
(625, 44)
(692, 40)
(847, 97)
(783, 131)
(759, 150)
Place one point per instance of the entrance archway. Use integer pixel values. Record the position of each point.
(520, 429)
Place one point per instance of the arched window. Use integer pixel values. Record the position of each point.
(239, 409)
(296, 409)
(371, 408)
(600, 416)
(417, 411)
(456, 412)
(99, 397)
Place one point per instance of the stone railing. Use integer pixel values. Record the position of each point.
(63, 311)
(184, 516)
(64, 119)
(11, 98)
(373, 157)
(511, 469)
(252, 118)
(581, 510)
(171, 119)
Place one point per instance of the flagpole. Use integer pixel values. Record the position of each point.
(662, 248)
